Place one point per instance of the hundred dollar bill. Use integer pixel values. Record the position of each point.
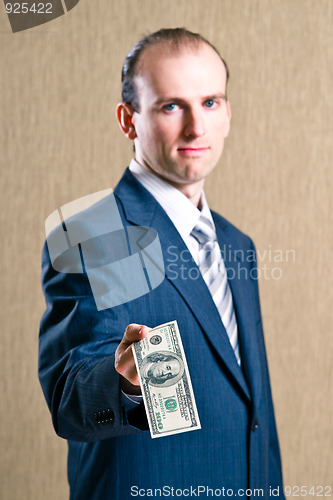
(165, 382)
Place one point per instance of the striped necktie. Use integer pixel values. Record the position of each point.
(214, 273)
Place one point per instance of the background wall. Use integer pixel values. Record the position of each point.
(59, 141)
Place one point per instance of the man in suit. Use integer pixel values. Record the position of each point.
(176, 111)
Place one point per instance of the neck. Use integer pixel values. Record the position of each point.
(192, 191)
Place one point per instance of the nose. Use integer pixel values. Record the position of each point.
(194, 123)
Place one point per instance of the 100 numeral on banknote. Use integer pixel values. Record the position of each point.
(165, 382)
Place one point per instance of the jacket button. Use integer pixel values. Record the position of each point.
(110, 415)
(105, 416)
(255, 425)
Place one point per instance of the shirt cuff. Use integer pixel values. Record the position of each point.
(130, 401)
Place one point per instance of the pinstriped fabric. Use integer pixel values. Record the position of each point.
(214, 273)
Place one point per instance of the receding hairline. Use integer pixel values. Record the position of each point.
(174, 42)
(175, 48)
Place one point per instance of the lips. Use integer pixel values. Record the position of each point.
(193, 148)
(193, 151)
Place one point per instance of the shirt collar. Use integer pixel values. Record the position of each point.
(177, 206)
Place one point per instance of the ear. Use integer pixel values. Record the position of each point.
(125, 114)
(227, 119)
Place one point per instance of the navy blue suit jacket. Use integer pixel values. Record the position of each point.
(111, 454)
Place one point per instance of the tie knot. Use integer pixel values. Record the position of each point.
(203, 232)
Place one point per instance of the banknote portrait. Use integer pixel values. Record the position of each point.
(162, 369)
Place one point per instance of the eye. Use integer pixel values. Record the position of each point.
(210, 103)
(171, 107)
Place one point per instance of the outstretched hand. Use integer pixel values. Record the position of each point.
(124, 360)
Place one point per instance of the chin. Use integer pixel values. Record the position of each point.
(196, 174)
(186, 174)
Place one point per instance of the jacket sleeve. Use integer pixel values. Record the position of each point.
(76, 360)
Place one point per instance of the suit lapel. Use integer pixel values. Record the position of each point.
(238, 265)
(142, 209)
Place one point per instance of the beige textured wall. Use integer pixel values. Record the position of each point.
(59, 141)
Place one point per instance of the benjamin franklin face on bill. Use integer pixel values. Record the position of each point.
(162, 368)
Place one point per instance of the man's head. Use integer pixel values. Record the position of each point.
(174, 105)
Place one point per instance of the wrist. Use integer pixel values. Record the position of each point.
(129, 388)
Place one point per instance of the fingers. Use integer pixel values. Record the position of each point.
(124, 360)
(133, 333)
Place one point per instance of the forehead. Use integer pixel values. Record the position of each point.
(185, 73)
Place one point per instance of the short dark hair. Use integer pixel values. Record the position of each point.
(175, 38)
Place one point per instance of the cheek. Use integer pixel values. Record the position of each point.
(224, 128)
(166, 132)
(219, 138)
(219, 126)
(219, 147)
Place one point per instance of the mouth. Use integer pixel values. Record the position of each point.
(192, 151)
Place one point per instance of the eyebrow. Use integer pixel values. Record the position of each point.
(178, 100)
